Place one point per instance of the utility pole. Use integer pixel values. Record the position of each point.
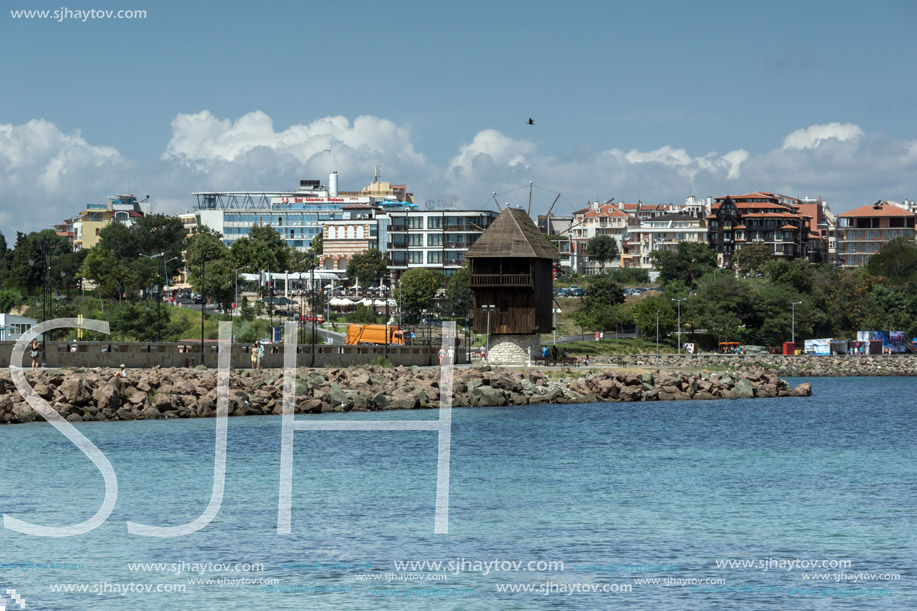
(488, 309)
(795, 303)
(204, 299)
(679, 321)
(235, 304)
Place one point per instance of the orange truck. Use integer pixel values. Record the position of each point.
(373, 334)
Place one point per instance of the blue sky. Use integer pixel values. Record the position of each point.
(648, 100)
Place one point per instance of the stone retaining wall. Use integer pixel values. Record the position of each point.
(798, 365)
(165, 354)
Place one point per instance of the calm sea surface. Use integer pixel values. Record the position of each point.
(749, 504)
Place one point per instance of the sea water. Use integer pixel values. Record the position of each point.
(746, 504)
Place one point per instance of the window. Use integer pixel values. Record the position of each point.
(435, 256)
(415, 239)
(415, 256)
(434, 239)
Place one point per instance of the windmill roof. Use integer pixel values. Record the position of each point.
(512, 234)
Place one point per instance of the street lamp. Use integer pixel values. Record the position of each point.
(556, 312)
(657, 335)
(794, 304)
(203, 302)
(679, 321)
(235, 304)
(159, 296)
(488, 309)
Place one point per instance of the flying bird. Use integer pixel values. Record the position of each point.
(531, 121)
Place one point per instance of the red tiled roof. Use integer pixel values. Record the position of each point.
(793, 227)
(606, 210)
(877, 209)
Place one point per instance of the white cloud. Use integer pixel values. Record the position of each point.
(45, 173)
(490, 148)
(689, 166)
(203, 142)
(814, 135)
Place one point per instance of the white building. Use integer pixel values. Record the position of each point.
(12, 327)
(595, 220)
(662, 233)
(430, 239)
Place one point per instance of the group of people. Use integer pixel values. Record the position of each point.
(553, 354)
(257, 354)
(451, 354)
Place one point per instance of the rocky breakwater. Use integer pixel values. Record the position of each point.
(101, 395)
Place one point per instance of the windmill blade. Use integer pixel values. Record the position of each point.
(552, 206)
(568, 229)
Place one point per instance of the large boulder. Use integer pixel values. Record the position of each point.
(107, 397)
(75, 391)
(743, 389)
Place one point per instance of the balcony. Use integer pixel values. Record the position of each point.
(486, 280)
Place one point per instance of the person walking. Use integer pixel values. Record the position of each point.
(255, 354)
(35, 353)
(260, 354)
(442, 353)
(554, 354)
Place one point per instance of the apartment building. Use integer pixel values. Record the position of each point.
(863, 231)
(662, 232)
(124, 209)
(760, 217)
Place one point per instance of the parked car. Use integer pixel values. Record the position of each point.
(577, 292)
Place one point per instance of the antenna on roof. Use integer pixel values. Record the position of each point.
(496, 202)
(530, 199)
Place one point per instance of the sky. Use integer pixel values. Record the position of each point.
(649, 101)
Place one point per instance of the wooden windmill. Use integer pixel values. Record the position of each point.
(511, 270)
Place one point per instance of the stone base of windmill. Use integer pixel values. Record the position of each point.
(513, 349)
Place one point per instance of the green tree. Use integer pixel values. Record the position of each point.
(155, 233)
(603, 316)
(30, 277)
(644, 313)
(688, 262)
(599, 307)
(459, 298)
(366, 267)
(418, 288)
(895, 263)
(752, 257)
(269, 236)
(798, 273)
(602, 248)
(257, 256)
(723, 306)
(217, 281)
(9, 298)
